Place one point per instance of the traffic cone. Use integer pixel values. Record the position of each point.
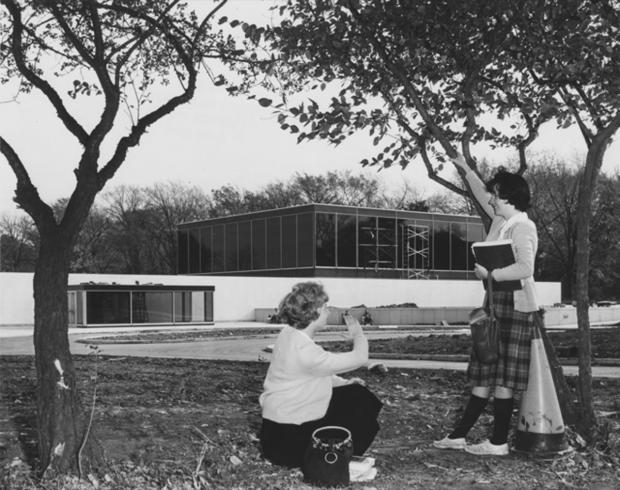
(540, 431)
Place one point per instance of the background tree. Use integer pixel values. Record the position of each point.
(18, 244)
(420, 75)
(117, 52)
(571, 51)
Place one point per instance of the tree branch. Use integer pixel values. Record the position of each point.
(16, 48)
(26, 194)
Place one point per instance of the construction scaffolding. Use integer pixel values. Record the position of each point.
(416, 251)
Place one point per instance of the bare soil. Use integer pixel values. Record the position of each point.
(175, 424)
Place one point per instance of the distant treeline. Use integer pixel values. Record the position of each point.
(132, 230)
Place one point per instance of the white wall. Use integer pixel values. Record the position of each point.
(237, 297)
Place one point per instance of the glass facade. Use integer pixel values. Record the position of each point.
(326, 240)
(105, 304)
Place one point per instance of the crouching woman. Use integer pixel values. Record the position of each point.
(302, 391)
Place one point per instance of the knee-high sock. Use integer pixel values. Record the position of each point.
(502, 408)
(474, 408)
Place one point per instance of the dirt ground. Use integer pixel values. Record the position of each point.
(193, 424)
(175, 424)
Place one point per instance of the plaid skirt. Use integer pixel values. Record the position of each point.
(516, 332)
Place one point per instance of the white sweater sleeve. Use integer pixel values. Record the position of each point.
(524, 241)
(319, 362)
(479, 191)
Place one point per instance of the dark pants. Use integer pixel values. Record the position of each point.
(351, 406)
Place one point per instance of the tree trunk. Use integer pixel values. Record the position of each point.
(587, 417)
(61, 424)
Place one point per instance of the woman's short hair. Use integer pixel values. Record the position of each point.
(301, 306)
(511, 187)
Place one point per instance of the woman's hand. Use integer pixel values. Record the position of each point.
(480, 271)
(357, 381)
(353, 326)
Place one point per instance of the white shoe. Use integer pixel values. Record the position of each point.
(447, 443)
(485, 448)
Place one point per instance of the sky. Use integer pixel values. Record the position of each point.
(213, 141)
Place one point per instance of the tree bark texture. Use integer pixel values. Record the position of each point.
(61, 422)
(587, 417)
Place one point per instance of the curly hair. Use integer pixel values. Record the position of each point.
(512, 187)
(301, 306)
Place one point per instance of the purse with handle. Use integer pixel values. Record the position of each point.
(326, 460)
(485, 329)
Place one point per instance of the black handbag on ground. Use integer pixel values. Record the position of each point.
(326, 460)
(484, 328)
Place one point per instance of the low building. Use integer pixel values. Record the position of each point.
(322, 240)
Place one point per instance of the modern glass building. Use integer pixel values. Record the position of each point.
(98, 304)
(322, 240)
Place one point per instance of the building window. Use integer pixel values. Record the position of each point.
(274, 254)
(386, 243)
(367, 240)
(258, 244)
(347, 246)
(218, 248)
(459, 246)
(151, 306)
(441, 245)
(305, 240)
(205, 250)
(107, 307)
(194, 251)
(325, 240)
(289, 241)
(182, 252)
(245, 246)
(231, 247)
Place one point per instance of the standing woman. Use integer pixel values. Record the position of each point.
(302, 391)
(505, 198)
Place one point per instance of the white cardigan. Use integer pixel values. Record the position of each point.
(298, 385)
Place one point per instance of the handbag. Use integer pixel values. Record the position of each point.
(327, 457)
(484, 328)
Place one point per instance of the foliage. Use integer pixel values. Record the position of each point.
(142, 57)
(555, 186)
(18, 244)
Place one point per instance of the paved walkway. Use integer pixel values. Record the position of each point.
(18, 341)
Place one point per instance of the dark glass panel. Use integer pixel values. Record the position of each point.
(325, 239)
(367, 240)
(218, 248)
(386, 251)
(475, 233)
(182, 306)
(151, 307)
(305, 240)
(245, 246)
(258, 244)
(104, 307)
(209, 306)
(194, 251)
(182, 254)
(441, 245)
(347, 247)
(459, 246)
(205, 250)
(231, 247)
(289, 241)
(273, 243)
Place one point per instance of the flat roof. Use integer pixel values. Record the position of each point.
(105, 286)
(331, 208)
